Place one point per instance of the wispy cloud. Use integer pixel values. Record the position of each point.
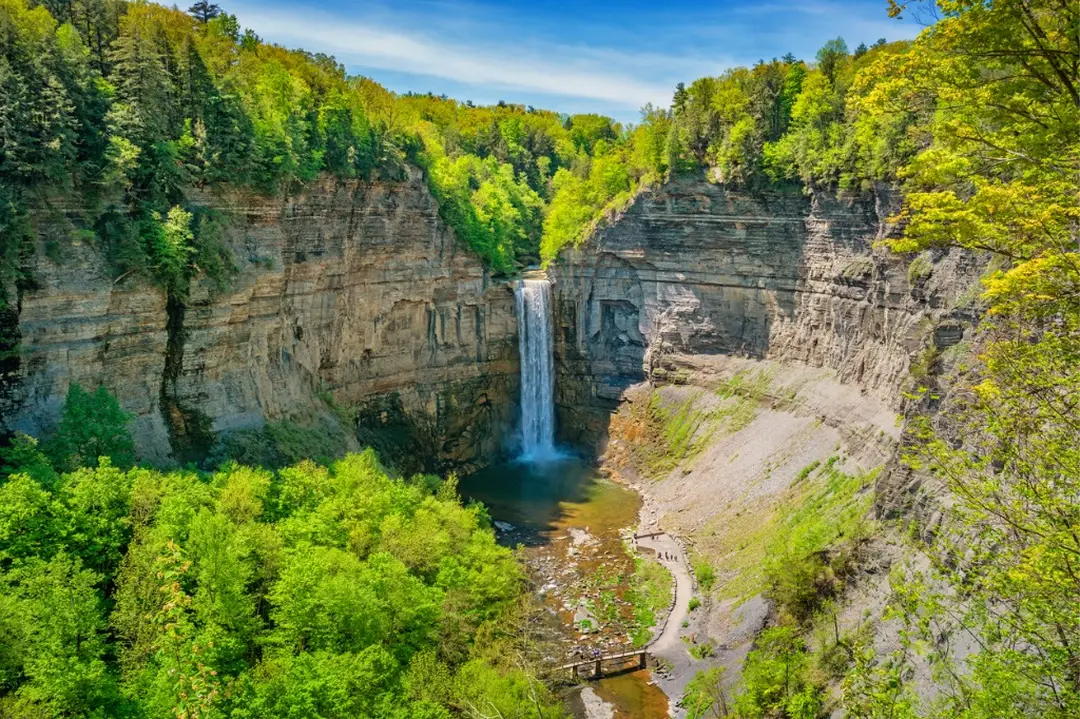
(554, 70)
(575, 55)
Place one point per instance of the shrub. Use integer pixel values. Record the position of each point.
(705, 576)
(706, 696)
(702, 651)
(919, 270)
(777, 678)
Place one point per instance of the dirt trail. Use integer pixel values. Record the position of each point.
(668, 646)
(670, 554)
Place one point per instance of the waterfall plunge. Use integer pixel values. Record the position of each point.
(537, 369)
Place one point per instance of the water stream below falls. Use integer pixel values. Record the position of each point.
(570, 524)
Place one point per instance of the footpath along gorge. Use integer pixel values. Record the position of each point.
(705, 346)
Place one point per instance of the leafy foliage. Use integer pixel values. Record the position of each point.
(331, 591)
(93, 425)
(778, 680)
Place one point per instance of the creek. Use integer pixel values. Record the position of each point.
(570, 526)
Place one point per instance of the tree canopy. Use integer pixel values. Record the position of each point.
(332, 591)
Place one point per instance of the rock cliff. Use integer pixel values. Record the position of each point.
(354, 295)
(692, 268)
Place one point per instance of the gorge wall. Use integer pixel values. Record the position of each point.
(354, 295)
(691, 268)
(358, 294)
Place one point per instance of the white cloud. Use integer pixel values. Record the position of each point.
(559, 71)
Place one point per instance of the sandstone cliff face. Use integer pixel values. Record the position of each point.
(351, 290)
(692, 268)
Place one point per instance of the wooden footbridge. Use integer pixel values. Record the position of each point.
(599, 666)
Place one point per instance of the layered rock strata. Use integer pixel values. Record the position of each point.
(351, 295)
(693, 268)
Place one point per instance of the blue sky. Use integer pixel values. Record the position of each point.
(584, 56)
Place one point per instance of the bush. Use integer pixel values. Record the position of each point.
(694, 603)
(919, 270)
(702, 651)
(705, 576)
(778, 680)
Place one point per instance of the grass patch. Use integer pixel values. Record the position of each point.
(807, 470)
(814, 547)
(748, 543)
(671, 433)
(745, 390)
(649, 595)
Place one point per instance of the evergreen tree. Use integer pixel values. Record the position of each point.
(204, 11)
(142, 108)
(830, 55)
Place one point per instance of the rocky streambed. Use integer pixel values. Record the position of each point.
(574, 529)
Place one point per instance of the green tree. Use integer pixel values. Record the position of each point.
(59, 643)
(204, 11)
(93, 425)
(23, 456)
(1001, 176)
(829, 57)
(776, 679)
(172, 250)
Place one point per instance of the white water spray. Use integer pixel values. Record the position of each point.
(537, 369)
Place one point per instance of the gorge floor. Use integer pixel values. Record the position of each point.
(574, 531)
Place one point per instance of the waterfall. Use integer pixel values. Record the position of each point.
(537, 368)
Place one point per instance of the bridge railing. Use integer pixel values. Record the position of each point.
(597, 663)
